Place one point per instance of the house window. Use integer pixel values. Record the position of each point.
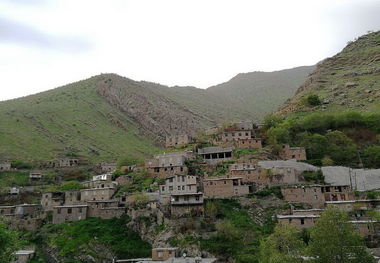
(302, 221)
(170, 188)
(189, 187)
(80, 210)
(163, 188)
(197, 198)
(69, 210)
(179, 188)
(183, 187)
(181, 169)
(58, 210)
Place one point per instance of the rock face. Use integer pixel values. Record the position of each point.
(154, 112)
(347, 80)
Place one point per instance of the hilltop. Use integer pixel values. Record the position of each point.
(108, 116)
(348, 81)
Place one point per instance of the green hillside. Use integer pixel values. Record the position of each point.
(71, 120)
(348, 81)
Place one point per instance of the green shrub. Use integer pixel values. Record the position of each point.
(313, 100)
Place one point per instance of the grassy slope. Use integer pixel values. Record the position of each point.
(71, 118)
(359, 63)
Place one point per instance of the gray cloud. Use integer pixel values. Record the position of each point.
(24, 35)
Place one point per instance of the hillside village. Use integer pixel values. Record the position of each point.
(180, 187)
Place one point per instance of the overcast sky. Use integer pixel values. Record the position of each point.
(48, 43)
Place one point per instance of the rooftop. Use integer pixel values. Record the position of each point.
(221, 179)
(297, 216)
(215, 150)
(70, 206)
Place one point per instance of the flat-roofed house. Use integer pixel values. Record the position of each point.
(93, 194)
(249, 143)
(186, 204)
(214, 155)
(108, 167)
(224, 187)
(48, 200)
(69, 213)
(5, 166)
(292, 153)
(105, 209)
(168, 164)
(299, 221)
(316, 195)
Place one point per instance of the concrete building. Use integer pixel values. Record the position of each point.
(214, 155)
(5, 166)
(69, 213)
(108, 167)
(179, 184)
(100, 181)
(186, 204)
(316, 195)
(292, 153)
(93, 194)
(224, 187)
(178, 140)
(298, 221)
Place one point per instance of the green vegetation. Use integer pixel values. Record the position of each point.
(14, 178)
(18, 164)
(342, 139)
(243, 152)
(237, 234)
(9, 243)
(331, 240)
(89, 236)
(314, 176)
(141, 181)
(313, 100)
(267, 191)
(283, 246)
(70, 186)
(73, 119)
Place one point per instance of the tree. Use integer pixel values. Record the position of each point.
(313, 100)
(8, 244)
(333, 240)
(70, 186)
(315, 145)
(372, 156)
(283, 246)
(342, 150)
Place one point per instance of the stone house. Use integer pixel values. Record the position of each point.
(167, 164)
(236, 135)
(73, 197)
(249, 143)
(105, 209)
(63, 163)
(162, 254)
(69, 213)
(292, 153)
(366, 228)
(316, 195)
(299, 221)
(97, 194)
(178, 140)
(14, 191)
(355, 205)
(224, 187)
(7, 210)
(108, 167)
(214, 155)
(5, 166)
(51, 199)
(250, 173)
(23, 256)
(287, 176)
(186, 204)
(35, 176)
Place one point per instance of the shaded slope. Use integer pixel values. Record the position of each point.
(349, 80)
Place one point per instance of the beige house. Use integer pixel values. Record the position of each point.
(224, 187)
(108, 167)
(51, 199)
(249, 143)
(186, 204)
(236, 135)
(169, 164)
(292, 153)
(69, 213)
(93, 194)
(316, 195)
(214, 155)
(105, 209)
(298, 221)
(5, 166)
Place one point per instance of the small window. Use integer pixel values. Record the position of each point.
(179, 187)
(69, 210)
(302, 221)
(58, 210)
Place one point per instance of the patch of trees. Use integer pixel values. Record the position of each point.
(349, 139)
(331, 240)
